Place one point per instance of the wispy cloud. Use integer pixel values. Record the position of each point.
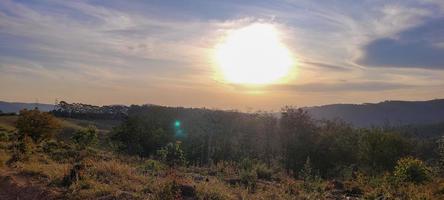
(149, 46)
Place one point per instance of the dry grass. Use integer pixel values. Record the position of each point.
(8, 122)
(111, 178)
(3, 158)
(44, 169)
(214, 190)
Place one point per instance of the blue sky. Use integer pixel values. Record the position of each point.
(135, 52)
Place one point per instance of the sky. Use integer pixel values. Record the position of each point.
(159, 51)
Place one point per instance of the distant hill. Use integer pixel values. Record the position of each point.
(8, 107)
(387, 112)
(361, 115)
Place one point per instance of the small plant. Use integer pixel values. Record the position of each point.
(248, 178)
(306, 172)
(4, 136)
(85, 138)
(263, 172)
(152, 166)
(246, 164)
(172, 154)
(413, 170)
(21, 150)
(59, 151)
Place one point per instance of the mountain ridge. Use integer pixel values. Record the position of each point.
(389, 112)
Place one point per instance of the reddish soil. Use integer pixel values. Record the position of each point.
(15, 186)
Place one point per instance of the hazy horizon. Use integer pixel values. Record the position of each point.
(221, 54)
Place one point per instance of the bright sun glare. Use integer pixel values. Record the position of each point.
(253, 55)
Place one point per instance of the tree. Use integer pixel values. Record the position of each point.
(145, 130)
(298, 134)
(380, 150)
(39, 126)
(86, 137)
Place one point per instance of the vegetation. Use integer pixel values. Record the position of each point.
(177, 153)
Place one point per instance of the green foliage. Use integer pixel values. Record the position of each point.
(144, 131)
(59, 151)
(307, 173)
(379, 150)
(4, 136)
(172, 154)
(263, 172)
(246, 164)
(21, 150)
(86, 137)
(298, 132)
(248, 178)
(152, 166)
(39, 126)
(410, 169)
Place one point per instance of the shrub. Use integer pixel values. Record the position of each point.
(306, 172)
(410, 169)
(246, 164)
(22, 149)
(152, 166)
(85, 138)
(263, 172)
(4, 136)
(59, 151)
(172, 154)
(39, 126)
(248, 178)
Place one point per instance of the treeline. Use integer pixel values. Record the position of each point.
(86, 111)
(333, 148)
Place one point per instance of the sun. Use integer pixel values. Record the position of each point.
(253, 55)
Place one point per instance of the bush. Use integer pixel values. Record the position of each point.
(246, 164)
(263, 172)
(306, 172)
(85, 138)
(21, 150)
(172, 154)
(248, 178)
(152, 166)
(410, 169)
(39, 126)
(59, 151)
(4, 136)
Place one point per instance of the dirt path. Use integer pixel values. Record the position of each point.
(14, 186)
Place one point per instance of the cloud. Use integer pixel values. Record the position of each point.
(413, 48)
(140, 45)
(327, 66)
(344, 86)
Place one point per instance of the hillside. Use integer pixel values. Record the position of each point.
(8, 107)
(361, 115)
(387, 112)
(165, 153)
